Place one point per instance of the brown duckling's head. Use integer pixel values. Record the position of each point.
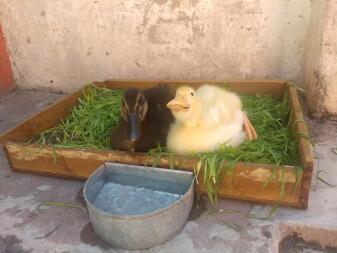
(133, 109)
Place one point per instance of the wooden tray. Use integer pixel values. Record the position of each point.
(248, 178)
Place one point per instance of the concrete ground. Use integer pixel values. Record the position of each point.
(26, 228)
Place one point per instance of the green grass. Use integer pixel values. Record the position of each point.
(275, 144)
(89, 125)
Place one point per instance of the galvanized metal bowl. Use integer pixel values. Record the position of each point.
(141, 229)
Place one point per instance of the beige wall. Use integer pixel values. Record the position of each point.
(65, 43)
(313, 56)
(321, 59)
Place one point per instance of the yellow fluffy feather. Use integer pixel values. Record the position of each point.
(205, 119)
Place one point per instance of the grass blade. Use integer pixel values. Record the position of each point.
(61, 204)
(209, 211)
(299, 173)
(271, 212)
(282, 187)
(229, 211)
(232, 225)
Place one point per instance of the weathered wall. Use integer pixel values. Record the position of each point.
(321, 59)
(66, 43)
(6, 75)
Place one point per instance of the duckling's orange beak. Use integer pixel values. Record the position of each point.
(178, 104)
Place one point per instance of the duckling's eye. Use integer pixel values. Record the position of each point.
(192, 94)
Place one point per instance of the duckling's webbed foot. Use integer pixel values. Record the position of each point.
(249, 129)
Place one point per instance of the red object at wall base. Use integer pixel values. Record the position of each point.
(6, 74)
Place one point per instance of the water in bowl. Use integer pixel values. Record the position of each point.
(128, 200)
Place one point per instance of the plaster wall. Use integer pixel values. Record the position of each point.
(64, 44)
(320, 59)
(329, 65)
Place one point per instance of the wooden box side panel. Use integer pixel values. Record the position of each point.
(47, 118)
(304, 146)
(246, 183)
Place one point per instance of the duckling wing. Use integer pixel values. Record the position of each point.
(226, 114)
(210, 114)
(210, 117)
(218, 105)
(216, 115)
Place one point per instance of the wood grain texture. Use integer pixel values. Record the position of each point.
(304, 146)
(246, 182)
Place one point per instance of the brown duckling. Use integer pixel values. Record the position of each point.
(145, 119)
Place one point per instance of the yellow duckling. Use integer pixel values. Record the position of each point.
(205, 119)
